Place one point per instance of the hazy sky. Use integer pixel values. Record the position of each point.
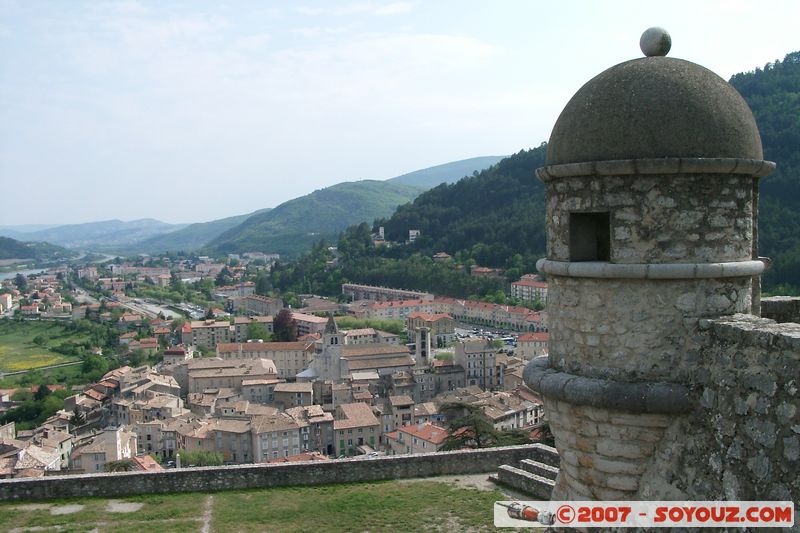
(191, 111)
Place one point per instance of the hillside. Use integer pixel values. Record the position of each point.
(293, 227)
(493, 215)
(774, 96)
(193, 236)
(38, 251)
(104, 235)
(446, 173)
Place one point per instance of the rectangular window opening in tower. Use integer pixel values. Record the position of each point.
(590, 236)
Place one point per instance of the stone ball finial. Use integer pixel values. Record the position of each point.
(655, 41)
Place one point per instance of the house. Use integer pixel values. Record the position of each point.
(441, 326)
(110, 445)
(178, 353)
(420, 438)
(27, 459)
(355, 292)
(254, 304)
(290, 358)
(30, 311)
(402, 411)
(530, 345)
(478, 358)
(211, 374)
(355, 426)
(309, 323)
(361, 336)
(293, 394)
(529, 288)
(206, 333)
(259, 390)
(278, 436)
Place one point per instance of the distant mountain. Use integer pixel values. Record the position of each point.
(21, 231)
(294, 226)
(193, 236)
(104, 235)
(448, 172)
(38, 251)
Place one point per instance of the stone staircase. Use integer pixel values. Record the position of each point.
(535, 476)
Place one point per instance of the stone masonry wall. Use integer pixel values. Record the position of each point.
(742, 442)
(603, 452)
(658, 219)
(263, 475)
(781, 308)
(629, 329)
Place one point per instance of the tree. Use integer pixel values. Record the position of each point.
(123, 465)
(93, 367)
(257, 330)
(263, 284)
(77, 419)
(469, 429)
(21, 282)
(42, 392)
(200, 458)
(285, 327)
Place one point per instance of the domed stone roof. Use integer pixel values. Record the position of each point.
(654, 107)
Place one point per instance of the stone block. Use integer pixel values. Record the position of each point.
(612, 466)
(642, 420)
(625, 483)
(791, 448)
(593, 413)
(626, 449)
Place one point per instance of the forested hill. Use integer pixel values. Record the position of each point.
(294, 226)
(774, 96)
(495, 218)
(38, 251)
(491, 216)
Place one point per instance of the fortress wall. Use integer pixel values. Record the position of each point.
(742, 441)
(658, 218)
(239, 477)
(781, 308)
(626, 328)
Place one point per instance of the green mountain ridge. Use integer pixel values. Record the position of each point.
(294, 226)
(38, 251)
(447, 172)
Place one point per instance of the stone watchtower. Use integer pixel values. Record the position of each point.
(652, 192)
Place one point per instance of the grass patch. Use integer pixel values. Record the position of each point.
(19, 352)
(383, 506)
(171, 512)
